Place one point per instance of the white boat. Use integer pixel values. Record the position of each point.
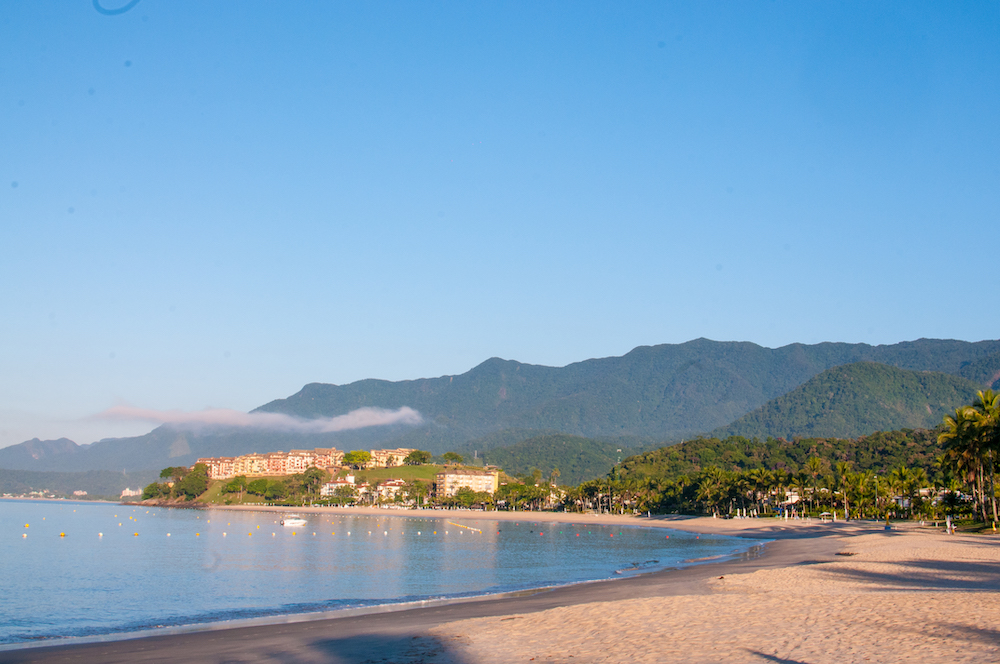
(293, 520)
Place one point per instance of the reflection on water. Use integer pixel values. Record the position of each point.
(121, 568)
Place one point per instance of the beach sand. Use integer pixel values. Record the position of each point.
(908, 595)
(903, 597)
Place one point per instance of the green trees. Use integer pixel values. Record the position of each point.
(312, 479)
(417, 458)
(452, 457)
(345, 495)
(971, 439)
(357, 458)
(194, 483)
(174, 473)
(187, 483)
(416, 491)
(236, 485)
(155, 490)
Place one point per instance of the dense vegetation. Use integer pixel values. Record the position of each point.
(877, 452)
(575, 458)
(653, 392)
(950, 471)
(856, 399)
(182, 483)
(971, 438)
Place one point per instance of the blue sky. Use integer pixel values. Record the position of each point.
(211, 204)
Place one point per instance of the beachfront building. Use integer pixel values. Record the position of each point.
(389, 489)
(449, 481)
(330, 488)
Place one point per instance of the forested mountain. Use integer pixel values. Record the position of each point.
(654, 392)
(577, 459)
(854, 400)
(650, 395)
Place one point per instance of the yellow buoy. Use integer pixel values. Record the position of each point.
(62, 534)
(26, 525)
(136, 535)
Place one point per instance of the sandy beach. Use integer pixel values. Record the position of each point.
(819, 593)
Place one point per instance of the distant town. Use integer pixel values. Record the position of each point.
(447, 483)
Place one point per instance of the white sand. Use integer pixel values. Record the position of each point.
(905, 596)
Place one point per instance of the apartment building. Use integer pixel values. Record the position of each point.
(448, 482)
(388, 458)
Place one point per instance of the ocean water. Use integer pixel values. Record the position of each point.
(72, 569)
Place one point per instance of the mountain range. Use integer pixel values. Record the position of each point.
(650, 396)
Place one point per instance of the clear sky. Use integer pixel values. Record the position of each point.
(212, 204)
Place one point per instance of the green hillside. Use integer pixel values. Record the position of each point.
(879, 452)
(653, 392)
(578, 459)
(854, 400)
(650, 395)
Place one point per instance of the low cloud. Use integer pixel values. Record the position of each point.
(224, 417)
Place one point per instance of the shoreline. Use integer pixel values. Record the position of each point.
(791, 543)
(762, 528)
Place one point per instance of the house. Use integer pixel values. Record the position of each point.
(330, 488)
(389, 489)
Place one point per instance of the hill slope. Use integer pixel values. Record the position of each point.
(854, 400)
(651, 394)
(578, 459)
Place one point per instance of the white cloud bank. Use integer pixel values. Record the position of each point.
(356, 419)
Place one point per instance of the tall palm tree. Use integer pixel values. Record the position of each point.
(840, 483)
(963, 451)
(899, 481)
(987, 424)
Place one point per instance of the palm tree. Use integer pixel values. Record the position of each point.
(987, 424)
(841, 480)
(761, 481)
(712, 487)
(963, 450)
(814, 467)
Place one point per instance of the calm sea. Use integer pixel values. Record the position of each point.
(121, 569)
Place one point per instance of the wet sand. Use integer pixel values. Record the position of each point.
(911, 594)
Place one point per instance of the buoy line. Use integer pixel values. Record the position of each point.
(466, 527)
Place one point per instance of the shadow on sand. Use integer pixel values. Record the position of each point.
(930, 575)
(383, 648)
